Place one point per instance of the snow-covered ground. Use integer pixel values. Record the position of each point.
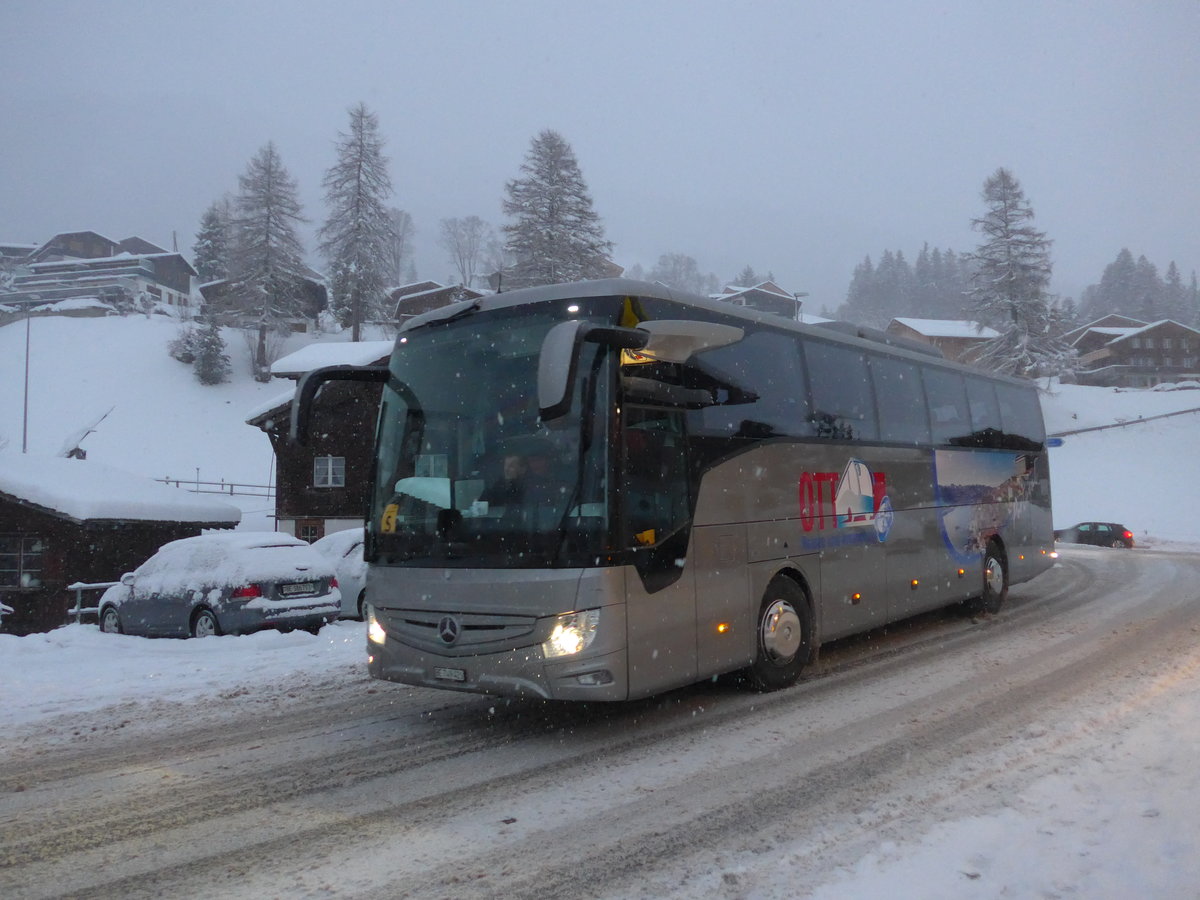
(1122, 823)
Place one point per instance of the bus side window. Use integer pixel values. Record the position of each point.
(948, 413)
(843, 405)
(901, 400)
(765, 367)
(1021, 415)
(986, 426)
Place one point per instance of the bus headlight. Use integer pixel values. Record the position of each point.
(572, 633)
(375, 632)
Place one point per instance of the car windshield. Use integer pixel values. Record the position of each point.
(467, 474)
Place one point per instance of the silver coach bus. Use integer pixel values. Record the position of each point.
(604, 490)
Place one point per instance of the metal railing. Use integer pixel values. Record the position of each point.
(229, 488)
(79, 610)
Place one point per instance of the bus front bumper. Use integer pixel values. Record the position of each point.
(517, 673)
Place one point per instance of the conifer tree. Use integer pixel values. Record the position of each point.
(212, 362)
(555, 234)
(1009, 293)
(358, 230)
(266, 259)
(211, 250)
(1175, 301)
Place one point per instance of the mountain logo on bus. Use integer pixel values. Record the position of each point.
(855, 500)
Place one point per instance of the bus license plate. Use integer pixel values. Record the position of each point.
(443, 674)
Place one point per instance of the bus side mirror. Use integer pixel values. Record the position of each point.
(559, 359)
(311, 382)
(669, 340)
(678, 340)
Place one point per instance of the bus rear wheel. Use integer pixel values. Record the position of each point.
(783, 635)
(995, 582)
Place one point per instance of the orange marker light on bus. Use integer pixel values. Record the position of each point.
(914, 584)
(722, 628)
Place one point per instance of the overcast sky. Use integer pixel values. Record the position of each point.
(796, 137)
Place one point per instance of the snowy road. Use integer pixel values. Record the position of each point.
(368, 790)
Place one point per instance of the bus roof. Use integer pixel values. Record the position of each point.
(863, 337)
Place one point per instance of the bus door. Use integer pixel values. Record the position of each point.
(660, 608)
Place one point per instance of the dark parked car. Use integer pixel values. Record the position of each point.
(224, 583)
(1102, 534)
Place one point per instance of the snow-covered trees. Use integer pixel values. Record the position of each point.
(683, 272)
(397, 254)
(266, 257)
(934, 288)
(556, 235)
(210, 253)
(1009, 294)
(1133, 288)
(358, 229)
(212, 362)
(466, 241)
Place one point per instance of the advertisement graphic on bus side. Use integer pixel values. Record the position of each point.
(976, 495)
(853, 505)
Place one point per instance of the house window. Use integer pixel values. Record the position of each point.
(21, 560)
(1166, 343)
(329, 471)
(310, 529)
(1137, 343)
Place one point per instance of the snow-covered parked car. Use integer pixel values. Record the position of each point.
(228, 583)
(345, 550)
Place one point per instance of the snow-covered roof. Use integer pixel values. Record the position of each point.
(1112, 333)
(84, 490)
(1130, 332)
(334, 353)
(123, 256)
(947, 328)
(277, 402)
(73, 303)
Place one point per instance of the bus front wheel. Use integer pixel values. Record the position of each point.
(784, 636)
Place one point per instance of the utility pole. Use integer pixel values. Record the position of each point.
(25, 410)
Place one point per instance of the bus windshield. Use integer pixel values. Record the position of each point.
(466, 473)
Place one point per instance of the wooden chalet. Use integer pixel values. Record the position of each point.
(1118, 351)
(958, 340)
(422, 296)
(766, 296)
(323, 487)
(70, 520)
(314, 298)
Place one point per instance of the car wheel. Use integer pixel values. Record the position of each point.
(1119, 543)
(204, 624)
(110, 621)
(362, 604)
(784, 636)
